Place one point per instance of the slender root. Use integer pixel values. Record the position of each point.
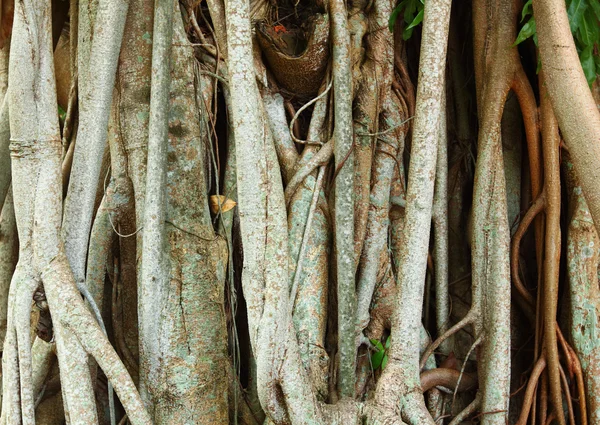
(552, 248)
(292, 112)
(534, 210)
(565, 384)
(469, 319)
(320, 158)
(525, 96)
(467, 411)
(293, 121)
(543, 411)
(550, 418)
(462, 369)
(580, 389)
(539, 367)
(307, 230)
(70, 117)
(566, 350)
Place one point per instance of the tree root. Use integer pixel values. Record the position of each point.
(471, 317)
(537, 207)
(343, 197)
(322, 157)
(449, 378)
(539, 367)
(572, 101)
(467, 411)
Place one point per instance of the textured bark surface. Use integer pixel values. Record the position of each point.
(572, 101)
(257, 212)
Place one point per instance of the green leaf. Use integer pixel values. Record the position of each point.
(581, 37)
(384, 362)
(526, 10)
(575, 12)
(407, 33)
(539, 66)
(377, 357)
(596, 6)
(413, 15)
(588, 65)
(409, 12)
(388, 342)
(395, 13)
(593, 26)
(587, 33)
(418, 19)
(527, 31)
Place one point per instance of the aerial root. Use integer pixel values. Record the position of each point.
(574, 367)
(467, 320)
(565, 384)
(449, 378)
(321, 158)
(462, 369)
(307, 232)
(580, 390)
(467, 411)
(539, 367)
(537, 206)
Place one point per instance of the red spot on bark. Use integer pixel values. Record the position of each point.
(280, 29)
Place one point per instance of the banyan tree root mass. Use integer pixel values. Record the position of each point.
(284, 212)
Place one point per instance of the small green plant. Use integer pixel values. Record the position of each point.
(62, 114)
(583, 19)
(413, 16)
(380, 357)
